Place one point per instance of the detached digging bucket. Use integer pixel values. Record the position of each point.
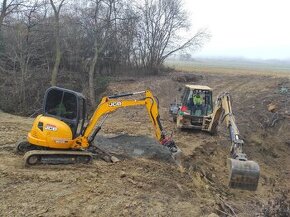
(243, 174)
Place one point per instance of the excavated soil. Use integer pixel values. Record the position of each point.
(126, 146)
(147, 182)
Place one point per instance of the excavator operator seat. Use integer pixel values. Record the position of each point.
(194, 108)
(67, 106)
(198, 100)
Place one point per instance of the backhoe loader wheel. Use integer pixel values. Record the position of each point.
(32, 160)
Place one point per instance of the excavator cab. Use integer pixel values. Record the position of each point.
(196, 103)
(197, 100)
(66, 105)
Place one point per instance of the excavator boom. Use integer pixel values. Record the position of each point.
(112, 103)
(244, 174)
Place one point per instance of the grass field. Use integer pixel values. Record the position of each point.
(233, 66)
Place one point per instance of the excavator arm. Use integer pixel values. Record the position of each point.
(110, 104)
(244, 174)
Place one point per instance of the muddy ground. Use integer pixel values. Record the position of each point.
(146, 182)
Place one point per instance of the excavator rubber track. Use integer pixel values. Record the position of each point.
(24, 146)
(243, 174)
(38, 157)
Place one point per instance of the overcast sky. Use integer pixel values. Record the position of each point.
(243, 28)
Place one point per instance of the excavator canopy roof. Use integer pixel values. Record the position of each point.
(198, 87)
(65, 90)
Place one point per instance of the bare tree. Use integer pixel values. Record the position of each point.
(7, 8)
(127, 36)
(22, 53)
(160, 26)
(89, 39)
(100, 27)
(56, 10)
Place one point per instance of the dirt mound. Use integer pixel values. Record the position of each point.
(128, 147)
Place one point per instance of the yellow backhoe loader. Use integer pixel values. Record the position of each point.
(196, 111)
(60, 135)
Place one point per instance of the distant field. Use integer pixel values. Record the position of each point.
(272, 68)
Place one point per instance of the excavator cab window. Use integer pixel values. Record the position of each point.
(61, 104)
(67, 106)
(185, 96)
(82, 116)
(198, 101)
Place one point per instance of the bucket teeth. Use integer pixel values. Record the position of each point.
(243, 174)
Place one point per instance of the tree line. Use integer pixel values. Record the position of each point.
(74, 42)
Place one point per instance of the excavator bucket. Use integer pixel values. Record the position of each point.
(178, 157)
(244, 174)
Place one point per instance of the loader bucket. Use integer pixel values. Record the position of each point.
(244, 174)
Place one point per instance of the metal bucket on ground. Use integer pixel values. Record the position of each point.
(243, 174)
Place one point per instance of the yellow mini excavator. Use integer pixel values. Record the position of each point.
(196, 111)
(60, 135)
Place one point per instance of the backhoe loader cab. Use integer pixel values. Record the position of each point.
(66, 105)
(196, 102)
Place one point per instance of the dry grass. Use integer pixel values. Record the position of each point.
(229, 69)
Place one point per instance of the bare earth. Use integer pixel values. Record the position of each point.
(149, 183)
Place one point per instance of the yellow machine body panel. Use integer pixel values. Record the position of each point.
(50, 132)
